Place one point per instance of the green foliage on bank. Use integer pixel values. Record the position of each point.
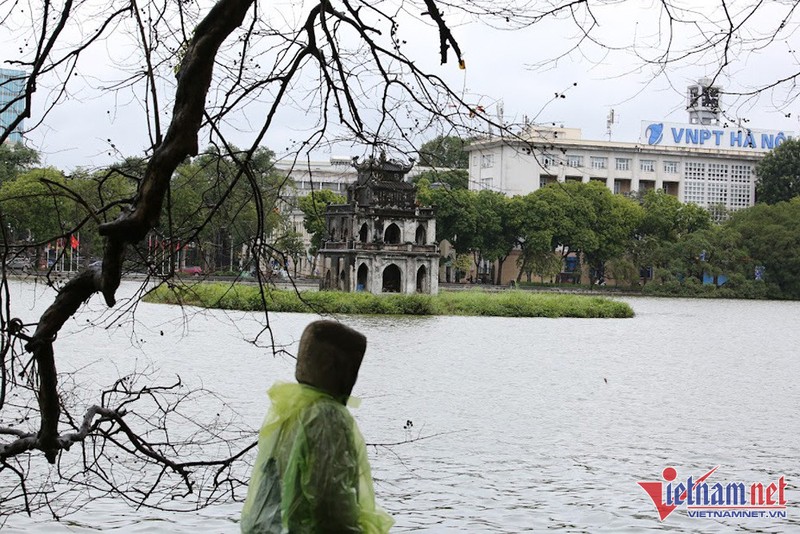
(502, 304)
(736, 288)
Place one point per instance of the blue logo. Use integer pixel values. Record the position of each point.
(655, 132)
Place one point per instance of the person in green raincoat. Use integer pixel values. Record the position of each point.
(311, 474)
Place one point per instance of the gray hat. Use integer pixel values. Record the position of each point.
(329, 357)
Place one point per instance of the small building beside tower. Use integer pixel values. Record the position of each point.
(380, 241)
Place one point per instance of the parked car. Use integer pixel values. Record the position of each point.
(19, 264)
(194, 271)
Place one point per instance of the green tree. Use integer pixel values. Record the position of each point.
(536, 223)
(665, 221)
(448, 160)
(542, 263)
(451, 178)
(36, 209)
(480, 223)
(623, 270)
(778, 174)
(456, 215)
(35, 205)
(444, 151)
(712, 251)
(770, 236)
(14, 159)
(571, 216)
(496, 231)
(290, 245)
(223, 208)
(313, 208)
(94, 199)
(667, 218)
(612, 223)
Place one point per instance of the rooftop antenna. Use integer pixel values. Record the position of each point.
(610, 120)
(500, 110)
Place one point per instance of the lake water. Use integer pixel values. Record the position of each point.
(535, 424)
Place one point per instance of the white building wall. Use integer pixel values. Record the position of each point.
(699, 175)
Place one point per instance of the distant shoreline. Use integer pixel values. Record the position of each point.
(668, 290)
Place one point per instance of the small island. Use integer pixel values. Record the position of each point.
(508, 303)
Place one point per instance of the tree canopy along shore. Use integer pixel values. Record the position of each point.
(374, 77)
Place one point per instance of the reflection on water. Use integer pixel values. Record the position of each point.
(535, 424)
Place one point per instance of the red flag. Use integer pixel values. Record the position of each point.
(73, 241)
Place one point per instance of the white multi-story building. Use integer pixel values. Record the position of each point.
(304, 177)
(701, 161)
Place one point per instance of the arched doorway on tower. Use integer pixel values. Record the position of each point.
(362, 278)
(423, 282)
(392, 235)
(421, 235)
(391, 279)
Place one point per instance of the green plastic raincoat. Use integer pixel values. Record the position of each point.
(311, 473)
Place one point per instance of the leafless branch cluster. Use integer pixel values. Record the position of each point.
(127, 440)
(145, 444)
(680, 41)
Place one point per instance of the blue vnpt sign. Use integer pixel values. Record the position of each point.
(659, 133)
(655, 133)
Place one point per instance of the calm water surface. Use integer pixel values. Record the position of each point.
(535, 424)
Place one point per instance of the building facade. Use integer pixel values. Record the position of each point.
(380, 241)
(703, 161)
(12, 87)
(701, 175)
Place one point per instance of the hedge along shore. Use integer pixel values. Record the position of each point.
(503, 304)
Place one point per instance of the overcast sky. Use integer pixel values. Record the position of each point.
(501, 68)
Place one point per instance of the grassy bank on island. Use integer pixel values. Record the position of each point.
(500, 304)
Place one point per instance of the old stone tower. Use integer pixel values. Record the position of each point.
(380, 241)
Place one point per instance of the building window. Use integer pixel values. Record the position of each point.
(647, 165)
(671, 188)
(694, 192)
(487, 182)
(575, 161)
(695, 171)
(740, 195)
(718, 172)
(623, 164)
(545, 179)
(741, 173)
(487, 160)
(548, 160)
(647, 185)
(671, 167)
(599, 163)
(717, 193)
